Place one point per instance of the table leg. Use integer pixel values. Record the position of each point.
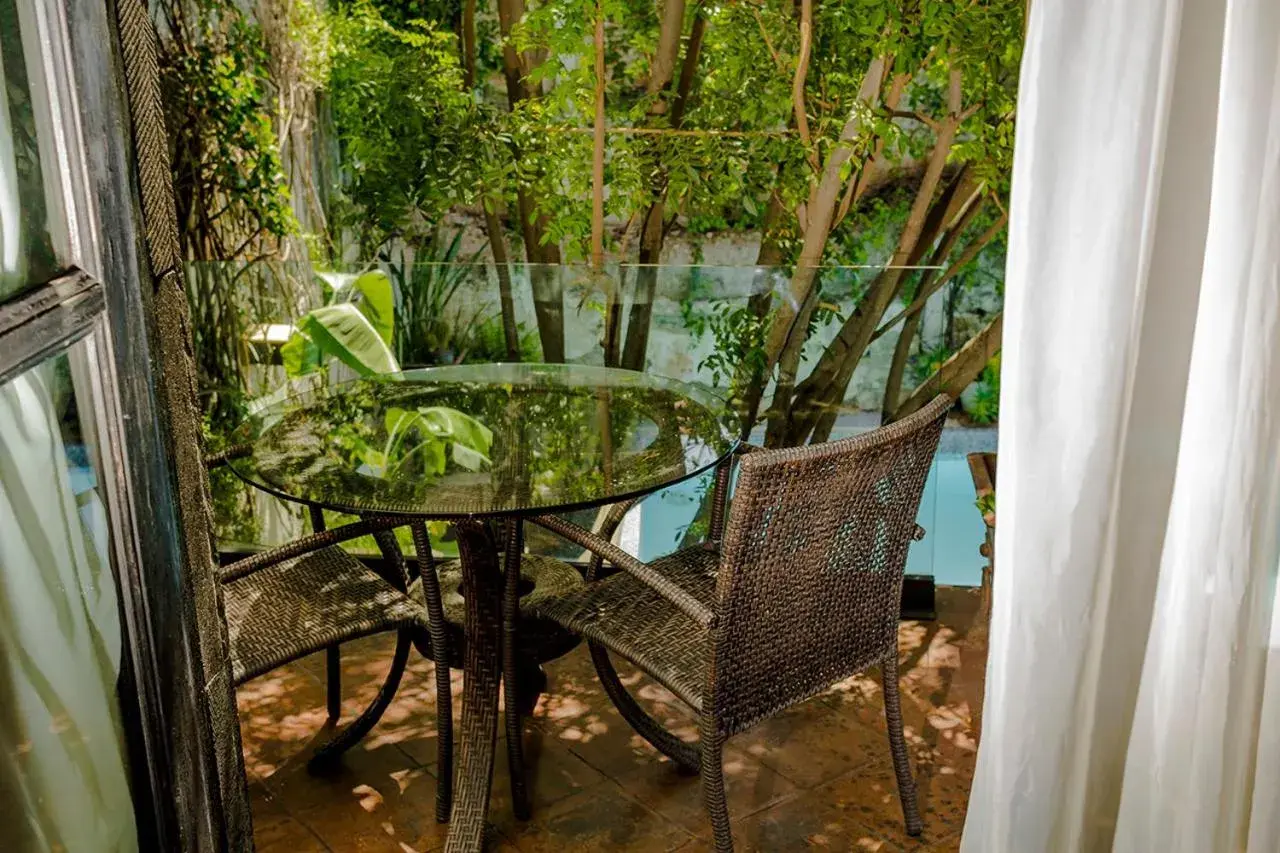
(511, 669)
(480, 691)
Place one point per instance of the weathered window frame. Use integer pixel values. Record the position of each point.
(95, 310)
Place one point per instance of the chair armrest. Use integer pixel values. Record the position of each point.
(222, 457)
(689, 605)
(307, 544)
(608, 524)
(614, 517)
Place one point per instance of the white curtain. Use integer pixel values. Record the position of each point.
(1132, 699)
(62, 773)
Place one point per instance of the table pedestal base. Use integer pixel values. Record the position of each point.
(480, 691)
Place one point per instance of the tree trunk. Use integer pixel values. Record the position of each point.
(875, 169)
(820, 209)
(786, 335)
(959, 370)
(966, 257)
(597, 150)
(653, 230)
(469, 44)
(750, 381)
(893, 382)
(898, 367)
(501, 262)
(954, 205)
(819, 395)
(544, 280)
(613, 290)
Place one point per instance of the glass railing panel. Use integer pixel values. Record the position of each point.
(697, 323)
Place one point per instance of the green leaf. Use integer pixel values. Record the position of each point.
(397, 419)
(432, 452)
(462, 429)
(342, 332)
(378, 303)
(300, 356)
(468, 458)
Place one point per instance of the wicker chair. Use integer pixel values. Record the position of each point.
(802, 590)
(310, 595)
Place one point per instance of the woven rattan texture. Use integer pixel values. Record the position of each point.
(630, 618)
(306, 604)
(550, 578)
(540, 639)
(811, 568)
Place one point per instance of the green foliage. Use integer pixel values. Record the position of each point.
(738, 333)
(343, 332)
(422, 440)
(416, 145)
(982, 400)
(925, 363)
(228, 182)
(431, 331)
(488, 343)
(986, 504)
(230, 192)
(356, 333)
(406, 127)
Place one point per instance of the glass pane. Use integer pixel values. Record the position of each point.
(64, 783)
(26, 250)
(483, 439)
(252, 321)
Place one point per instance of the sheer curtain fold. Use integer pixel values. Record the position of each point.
(62, 768)
(1138, 471)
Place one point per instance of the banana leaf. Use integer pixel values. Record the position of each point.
(345, 333)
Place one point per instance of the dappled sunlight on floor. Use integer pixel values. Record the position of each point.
(816, 776)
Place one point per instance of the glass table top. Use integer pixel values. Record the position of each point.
(486, 439)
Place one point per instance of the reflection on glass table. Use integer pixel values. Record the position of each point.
(491, 439)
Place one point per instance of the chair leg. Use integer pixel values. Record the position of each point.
(328, 754)
(510, 670)
(333, 681)
(713, 795)
(685, 755)
(898, 745)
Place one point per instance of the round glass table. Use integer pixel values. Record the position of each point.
(472, 443)
(482, 440)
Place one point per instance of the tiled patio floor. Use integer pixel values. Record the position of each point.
(818, 776)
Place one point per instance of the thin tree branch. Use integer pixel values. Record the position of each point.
(915, 115)
(798, 82)
(874, 163)
(768, 42)
(597, 153)
(964, 259)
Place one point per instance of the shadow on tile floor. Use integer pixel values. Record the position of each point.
(817, 776)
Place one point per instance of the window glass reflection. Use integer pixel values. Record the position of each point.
(63, 779)
(26, 250)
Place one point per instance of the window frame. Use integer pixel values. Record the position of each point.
(95, 310)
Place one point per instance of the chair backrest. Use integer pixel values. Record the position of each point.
(811, 568)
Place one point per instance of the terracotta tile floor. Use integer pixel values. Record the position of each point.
(818, 776)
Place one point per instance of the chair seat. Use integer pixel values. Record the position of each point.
(303, 605)
(627, 617)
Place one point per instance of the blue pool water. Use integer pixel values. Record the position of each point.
(953, 526)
